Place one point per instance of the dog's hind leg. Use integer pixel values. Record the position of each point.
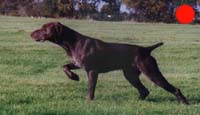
(69, 73)
(132, 75)
(150, 68)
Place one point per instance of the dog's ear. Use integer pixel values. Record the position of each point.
(58, 29)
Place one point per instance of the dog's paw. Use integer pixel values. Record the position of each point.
(74, 77)
(144, 95)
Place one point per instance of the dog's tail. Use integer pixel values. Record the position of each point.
(151, 48)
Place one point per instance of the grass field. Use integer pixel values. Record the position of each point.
(32, 81)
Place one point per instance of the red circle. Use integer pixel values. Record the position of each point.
(185, 14)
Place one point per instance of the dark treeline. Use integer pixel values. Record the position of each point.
(138, 10)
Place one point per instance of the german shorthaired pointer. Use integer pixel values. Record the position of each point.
(96, 56)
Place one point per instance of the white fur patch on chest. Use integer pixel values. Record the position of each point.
(76, 61)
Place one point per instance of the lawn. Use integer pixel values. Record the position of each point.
(32, 81)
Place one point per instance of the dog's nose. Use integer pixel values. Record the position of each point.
(34, 36)
(37, 40)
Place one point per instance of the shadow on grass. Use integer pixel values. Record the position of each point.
(194, 100)
(161, 99)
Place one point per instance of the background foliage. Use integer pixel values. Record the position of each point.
(139, 10)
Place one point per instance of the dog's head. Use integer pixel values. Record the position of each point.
(51, 31)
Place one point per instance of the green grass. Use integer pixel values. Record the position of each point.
(32, 81)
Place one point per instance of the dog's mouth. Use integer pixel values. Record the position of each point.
(35, 37)
(39, 40)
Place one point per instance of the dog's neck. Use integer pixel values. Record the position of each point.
(68, 40)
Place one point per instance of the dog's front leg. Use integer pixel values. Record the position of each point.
(67, 69)
(92, 80)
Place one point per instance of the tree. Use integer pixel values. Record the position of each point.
(65, 8)
(86, 7)
(179, 2)
(14, 7)
(112, 6)
(150, 10)
(48, 8)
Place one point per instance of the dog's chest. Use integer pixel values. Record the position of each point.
(77, 60)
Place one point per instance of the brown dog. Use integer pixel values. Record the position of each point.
(96, 56)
